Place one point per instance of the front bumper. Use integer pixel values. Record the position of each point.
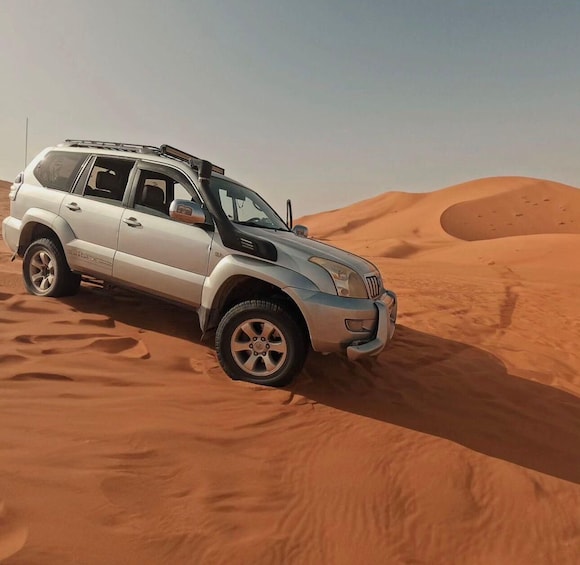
(326, 316)
(387, 318)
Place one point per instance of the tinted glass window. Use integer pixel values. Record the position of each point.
(59, 169)
(181, 193)
(244, 206)
(156, 190)
(108, 178)
(227, 203)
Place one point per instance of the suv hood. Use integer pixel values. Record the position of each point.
(295, 249)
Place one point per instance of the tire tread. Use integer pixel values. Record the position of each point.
(67, 282)
(253, 308)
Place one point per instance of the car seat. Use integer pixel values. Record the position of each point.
(154, 197)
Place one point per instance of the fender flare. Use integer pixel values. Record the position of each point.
(218, 284)
(51, 220)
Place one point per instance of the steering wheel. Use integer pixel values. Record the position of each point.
(264, 221)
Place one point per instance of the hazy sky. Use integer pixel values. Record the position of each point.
(326, 102)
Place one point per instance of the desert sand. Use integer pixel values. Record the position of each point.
(122, 441)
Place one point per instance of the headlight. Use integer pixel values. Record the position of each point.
(347, 282)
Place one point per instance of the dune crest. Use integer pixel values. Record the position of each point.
(433, 225)
(539, 207)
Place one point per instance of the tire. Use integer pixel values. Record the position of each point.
(46, 271)
(259, 342)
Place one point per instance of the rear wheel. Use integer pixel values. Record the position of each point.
(46, 271)
(259, 342)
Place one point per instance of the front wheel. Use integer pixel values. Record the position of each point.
(46, 271)
(259, 342)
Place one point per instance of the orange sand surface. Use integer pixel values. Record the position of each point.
(123, 442)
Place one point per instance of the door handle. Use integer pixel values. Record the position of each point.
(73, 206)
(132, 222)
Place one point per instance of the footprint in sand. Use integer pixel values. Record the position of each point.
(13, 532)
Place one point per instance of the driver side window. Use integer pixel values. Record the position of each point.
(156, 190)
(181, 193)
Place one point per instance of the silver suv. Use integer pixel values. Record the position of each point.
(161, 221)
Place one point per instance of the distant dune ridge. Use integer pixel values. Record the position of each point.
(435, 225)
(481, 209)
(122, 441)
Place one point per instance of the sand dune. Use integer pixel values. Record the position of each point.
(537, 208)
(399, 225)
(473, 210)
(121, 440)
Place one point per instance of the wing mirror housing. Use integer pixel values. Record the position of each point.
(187, 212)
(300, 230)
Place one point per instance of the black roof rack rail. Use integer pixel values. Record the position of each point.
(132, 147)
(165, 150)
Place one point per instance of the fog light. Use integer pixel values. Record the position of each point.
(360, 325)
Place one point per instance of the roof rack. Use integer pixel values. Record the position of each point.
(165, 150)
(132, 147)
(180, 155)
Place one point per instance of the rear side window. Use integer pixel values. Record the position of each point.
(108, 178)
(59, 169)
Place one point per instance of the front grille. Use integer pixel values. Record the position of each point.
(374, 286)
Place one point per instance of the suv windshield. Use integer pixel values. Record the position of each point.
(243, 206)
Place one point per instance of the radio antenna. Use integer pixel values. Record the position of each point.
(26, 144)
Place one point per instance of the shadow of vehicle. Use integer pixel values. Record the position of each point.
(421, 382)
(457, 392)
(138, 310)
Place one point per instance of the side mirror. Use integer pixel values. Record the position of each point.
(300, 231)
(187, 212)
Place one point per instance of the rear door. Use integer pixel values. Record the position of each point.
(94, 212)
(154, 252)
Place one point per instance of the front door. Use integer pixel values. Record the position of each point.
(155, 253)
